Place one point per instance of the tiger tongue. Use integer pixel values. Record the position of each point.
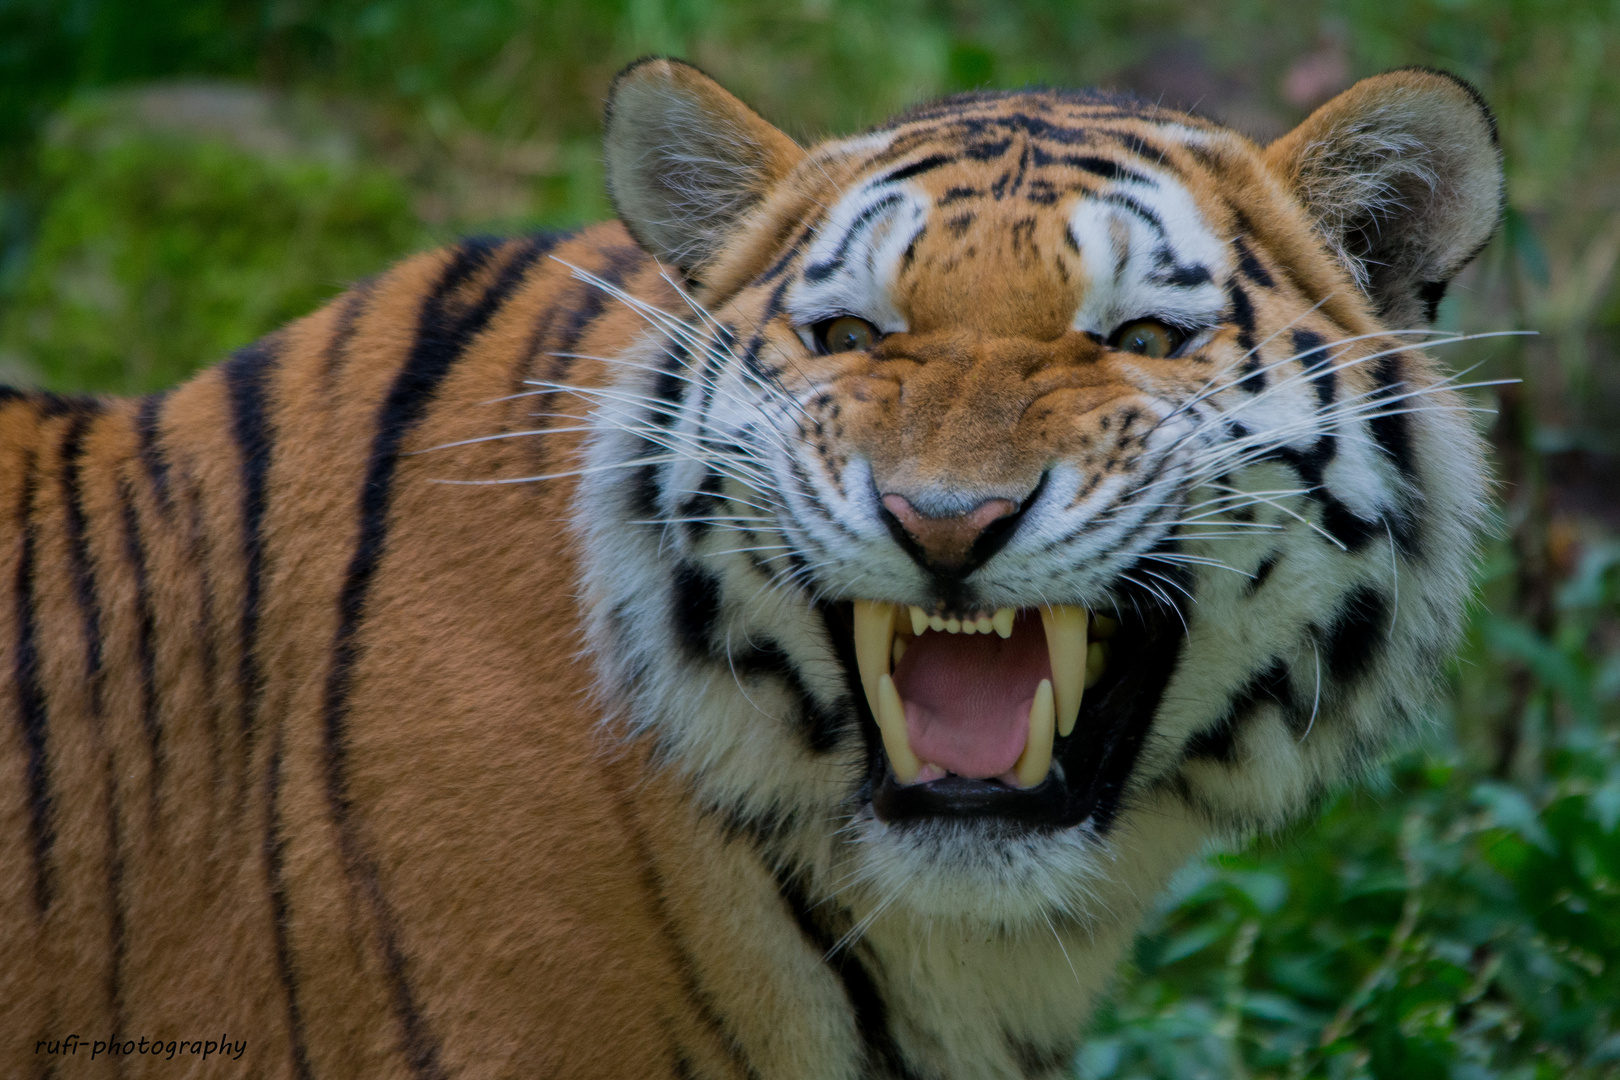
(967, 698)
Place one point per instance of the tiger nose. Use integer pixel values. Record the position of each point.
(946, 543)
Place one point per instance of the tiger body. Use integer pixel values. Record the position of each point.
(463, 681)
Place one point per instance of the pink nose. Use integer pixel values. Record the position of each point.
(947, 541)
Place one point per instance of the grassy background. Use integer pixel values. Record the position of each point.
(179, 177)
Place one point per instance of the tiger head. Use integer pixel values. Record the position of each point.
(1007, 499)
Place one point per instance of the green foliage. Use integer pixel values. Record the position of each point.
(158, 252)
(1460, 920)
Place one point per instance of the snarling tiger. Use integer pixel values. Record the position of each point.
(792, 631)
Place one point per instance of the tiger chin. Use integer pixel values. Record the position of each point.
(791, 631)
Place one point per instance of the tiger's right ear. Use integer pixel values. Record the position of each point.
(686, 160)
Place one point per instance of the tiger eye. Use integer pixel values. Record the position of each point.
(1147, 337)
(848, 334)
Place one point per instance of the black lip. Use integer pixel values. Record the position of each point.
(1093, 763)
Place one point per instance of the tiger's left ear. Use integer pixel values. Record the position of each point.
(686, 160)
(1402, 174)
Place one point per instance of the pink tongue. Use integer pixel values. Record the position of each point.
(967, 696)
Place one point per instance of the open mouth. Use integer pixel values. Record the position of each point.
(1032, 715)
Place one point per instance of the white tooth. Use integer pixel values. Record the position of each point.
(899, 650)
(874, 631)
(1096, 662)
(983, 623)
(891, 718)
(1066, 648)
(953, 625)
(936, 623)
(1036, 760)
(919, 620)
(1002, 621)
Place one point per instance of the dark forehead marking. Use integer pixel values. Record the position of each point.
(1124, 201)
(1107, 168)
(917, 168)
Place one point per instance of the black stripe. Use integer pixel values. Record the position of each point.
(1144, 149)
(821, 727)
(1359, 627)
(1309, 351)
(1262, 573)
(442, 336)
(822, 270)
(1345, 525)
(145, 635)
(1218, 741)
(1180, 275)
(1126, 202)
(1104, 168)
(147, 421)
(694, 609)
(670, 385)
(89, 603)
(860, 989)
(1251, 267)
(78, 552)
(336, 354)
(275, 861)
(917, 168)
(1240, 313)
(32, 711)
(1392, 432)
(620, 262)
(246, 375)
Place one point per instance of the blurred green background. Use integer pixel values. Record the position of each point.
(180, 177)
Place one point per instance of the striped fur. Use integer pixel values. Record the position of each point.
(452, 685)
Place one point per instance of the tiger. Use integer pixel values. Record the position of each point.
(794, 629)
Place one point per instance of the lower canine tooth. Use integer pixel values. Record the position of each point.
(891, 718)
(1066, 648)
(1036, 760)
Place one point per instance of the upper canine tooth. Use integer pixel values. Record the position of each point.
(919, 620)
(1036, 760)
(891, 718)
(874, 637)
(1002, 621)
(1066, 648)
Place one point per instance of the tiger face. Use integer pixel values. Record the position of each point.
(1035, 486)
